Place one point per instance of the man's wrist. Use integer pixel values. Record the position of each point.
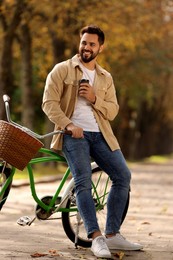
(68, 127)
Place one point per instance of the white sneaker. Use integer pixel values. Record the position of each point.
(99, 247)
(119, 242)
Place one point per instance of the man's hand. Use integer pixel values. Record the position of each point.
(87, 91)
(77, 132)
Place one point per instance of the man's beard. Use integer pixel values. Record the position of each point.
(88, 59)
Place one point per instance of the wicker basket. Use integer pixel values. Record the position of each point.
(16, 146)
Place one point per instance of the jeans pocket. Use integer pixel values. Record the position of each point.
(72, 144)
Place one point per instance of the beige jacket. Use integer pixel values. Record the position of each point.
(60, 95)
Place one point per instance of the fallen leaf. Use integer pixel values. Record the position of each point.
(53, 252)
(164, 209)
(119, 255)
(82, 256)
(145, 223)
(38, 255)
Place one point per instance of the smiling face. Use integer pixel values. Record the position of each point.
(89, 47)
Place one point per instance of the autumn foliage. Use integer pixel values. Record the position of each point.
(35, 35)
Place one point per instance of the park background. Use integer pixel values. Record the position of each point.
(35, 35)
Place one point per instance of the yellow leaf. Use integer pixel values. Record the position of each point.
(120, 255)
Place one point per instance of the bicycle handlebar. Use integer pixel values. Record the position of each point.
(6, 99)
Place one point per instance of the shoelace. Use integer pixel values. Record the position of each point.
(102, 243)
(120, 236)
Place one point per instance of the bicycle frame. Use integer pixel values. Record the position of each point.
(52, 157)
(7, 183)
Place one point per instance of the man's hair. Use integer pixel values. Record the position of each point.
(93, 29)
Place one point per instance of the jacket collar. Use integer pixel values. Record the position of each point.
(76, 63)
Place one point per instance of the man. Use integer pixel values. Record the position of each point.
(85, 109)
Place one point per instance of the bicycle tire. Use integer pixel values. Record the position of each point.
(3, 177)
(69, 218)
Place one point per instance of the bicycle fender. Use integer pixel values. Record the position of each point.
(66, 193)
(70, 186)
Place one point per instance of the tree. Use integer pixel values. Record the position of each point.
(137, 32)
(9, 25)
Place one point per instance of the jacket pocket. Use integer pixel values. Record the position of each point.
(70, 82)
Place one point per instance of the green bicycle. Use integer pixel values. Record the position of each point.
(19, 148)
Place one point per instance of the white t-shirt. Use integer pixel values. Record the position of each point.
(83, 115)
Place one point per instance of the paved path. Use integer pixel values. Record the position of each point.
(149, 221)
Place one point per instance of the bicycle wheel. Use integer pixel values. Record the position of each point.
(71, 221)
(4, 174)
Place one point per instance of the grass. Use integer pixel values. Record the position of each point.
(41, 171)
(159, 158)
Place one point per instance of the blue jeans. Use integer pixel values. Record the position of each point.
(78, 153)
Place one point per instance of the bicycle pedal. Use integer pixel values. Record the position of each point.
(24, 221)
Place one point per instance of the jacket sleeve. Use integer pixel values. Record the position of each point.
(107, 105)
(52, 96)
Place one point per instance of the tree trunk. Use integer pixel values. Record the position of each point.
(26, 78)
(6, 79)
(6, 75)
